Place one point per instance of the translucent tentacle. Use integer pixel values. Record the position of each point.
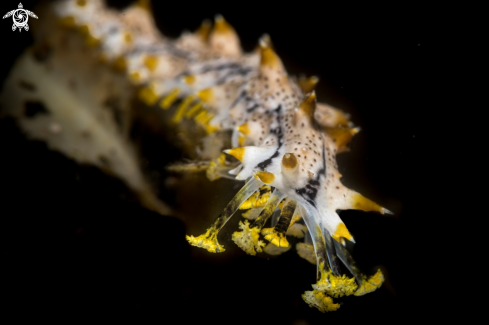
(209, 239)
(276, 235)
(348, 261)
(334, 262)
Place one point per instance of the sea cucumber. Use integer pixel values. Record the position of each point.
(283, 142)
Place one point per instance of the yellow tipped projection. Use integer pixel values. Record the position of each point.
(265, 177)
(237, 153)
(206, 95)
(151, 62)
(341, 231)
(308, 105)
(189, 79)
(221, 26)
(269, 58)
(204, 30)
(145, 4)
(244, 128)
(341, 136)
(308, 84)
(266, 41)
(359, 202)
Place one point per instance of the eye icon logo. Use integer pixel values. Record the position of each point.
(20, 17)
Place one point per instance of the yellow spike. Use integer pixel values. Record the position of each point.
(269, 58)
(145, 4)
(265, 177)
(223, 38)
(308, 105)
(193, 110)
(266, 40)
(206, 95)
(221, 26)
(180, 113)
(237, 153)
(204, 30)
(341, 231)
(189, 79)
(148, 96)
(244, 128)
(359, 202)
(341, 136)
(151, 62)
(170, 98)
(308, 84)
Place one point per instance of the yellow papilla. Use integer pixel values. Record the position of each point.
(265, 177)
(359, 202)
(221, 26)
(207, 241)
(308, 105)
(370, 284)
(204, 30)
(247, 239)
(206, 95)
(244, 128)
(151, 62)
(237, 153)
(189, 79)
(341, 231)
(320, 301)
(148, 96)
(269, 58)
(308, 84)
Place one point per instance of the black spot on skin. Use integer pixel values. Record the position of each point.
(32, 109)
(27, 86)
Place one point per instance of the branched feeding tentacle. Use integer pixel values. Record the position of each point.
(209, 239)
(247, 239)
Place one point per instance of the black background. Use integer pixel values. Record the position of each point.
(74, 243)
